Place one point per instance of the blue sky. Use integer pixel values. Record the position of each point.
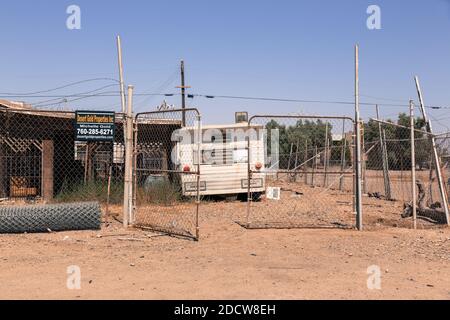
(284, 49)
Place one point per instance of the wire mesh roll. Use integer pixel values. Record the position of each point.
(54, 217)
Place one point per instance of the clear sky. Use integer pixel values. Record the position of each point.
(284, 49)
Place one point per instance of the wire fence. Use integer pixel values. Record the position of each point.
(166, 178)
(308, 173)
(388, 166)
(42, 161)
(285, 171)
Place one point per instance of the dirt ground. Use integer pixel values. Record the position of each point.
(230, 262)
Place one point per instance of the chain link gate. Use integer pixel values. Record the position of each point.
(166, 174)
(307, 171)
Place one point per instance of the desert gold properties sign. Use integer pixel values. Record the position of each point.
(94, 125)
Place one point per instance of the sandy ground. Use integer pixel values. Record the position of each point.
(230, 262)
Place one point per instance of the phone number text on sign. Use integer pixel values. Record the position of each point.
(95, 126)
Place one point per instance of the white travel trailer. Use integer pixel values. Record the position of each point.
(224, 159)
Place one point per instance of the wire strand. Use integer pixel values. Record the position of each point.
(61, 87)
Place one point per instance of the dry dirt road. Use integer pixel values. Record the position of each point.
(228, 263)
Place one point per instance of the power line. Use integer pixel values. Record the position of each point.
(61, 87)
(308, 101)
(39, 103)
(160, 88)
(116, 94)
(385, 99)
(76, 99)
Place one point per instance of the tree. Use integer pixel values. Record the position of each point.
(304, 132)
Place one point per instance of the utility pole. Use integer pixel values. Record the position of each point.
(358, 184)
(122, 86)
(183, 88)
(435, 153)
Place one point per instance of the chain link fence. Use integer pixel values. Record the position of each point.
(308, 173)
(290, 171)
(42, 162)
(388, 173)
(166, 175)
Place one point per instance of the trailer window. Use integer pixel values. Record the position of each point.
(218, 156)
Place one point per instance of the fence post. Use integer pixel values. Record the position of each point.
(296, 160)
(249, 179)
(47, 169)
(364, 161)
(358, 182)
(413, 164)
(325, 158)
(387, 182)
(435, 153)
(199, 153)
(134, 176)
(306, 161)
(314, 168)
(343, 149)
(128, 189)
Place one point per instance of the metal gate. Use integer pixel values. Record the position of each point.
(166, 174)
(307, 172)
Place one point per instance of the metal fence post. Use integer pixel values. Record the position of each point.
(128, 189)
(387, 182)
(199, 153)
(343, 149)
(435, 154)
(358, 182)
(413, 164)
(249, 179)
(326, 158)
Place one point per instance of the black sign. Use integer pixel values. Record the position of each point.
(94, 126)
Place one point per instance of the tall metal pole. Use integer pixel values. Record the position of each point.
(358, 196)
(183, 94)
(122, 86)
(413, 163)
(198, 176)
(128, 189)
(435, 153)
(387, 182)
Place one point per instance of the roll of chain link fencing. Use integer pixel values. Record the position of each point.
(54, 217)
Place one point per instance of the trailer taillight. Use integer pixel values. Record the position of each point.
(186, 168)
(258, 166)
